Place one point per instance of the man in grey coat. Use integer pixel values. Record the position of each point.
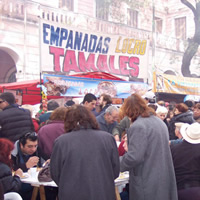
(148, 158)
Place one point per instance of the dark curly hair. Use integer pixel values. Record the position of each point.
(6, 146)
(78, 117)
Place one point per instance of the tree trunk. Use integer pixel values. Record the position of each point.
(187, 57)
(194, 42)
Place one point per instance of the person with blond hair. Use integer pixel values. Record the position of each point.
(161, 112)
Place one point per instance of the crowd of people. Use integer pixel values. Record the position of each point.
(89, 144)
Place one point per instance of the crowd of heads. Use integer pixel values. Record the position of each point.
(76, 117)
(180, 118)
(132, 107)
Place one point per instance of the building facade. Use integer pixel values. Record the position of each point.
(166, 24)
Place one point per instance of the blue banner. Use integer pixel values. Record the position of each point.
(59, 85)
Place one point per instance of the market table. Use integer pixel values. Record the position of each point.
(39, 186)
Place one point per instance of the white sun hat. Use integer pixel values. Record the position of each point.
(149, 95)
(191, 132)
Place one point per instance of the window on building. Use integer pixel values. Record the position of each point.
(68, 4)
(180, 28)
(22, 9)
(132, 18)
(12, 78)
(102, 9)
(158, 24)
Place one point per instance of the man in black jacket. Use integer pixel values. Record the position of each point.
(14, 121)
(25, 156)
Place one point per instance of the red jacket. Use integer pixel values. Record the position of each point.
(35, 124)
(121, 149)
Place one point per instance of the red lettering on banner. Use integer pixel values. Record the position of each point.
(70, 63)
(83, 65)
(112, 67)
(56, 52)
(133, 63)
(123, 60)
(102, 63)
(88, 65)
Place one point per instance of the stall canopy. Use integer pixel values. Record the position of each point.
(28, 86)
(98, 75)
(28, 89)
(31, 93)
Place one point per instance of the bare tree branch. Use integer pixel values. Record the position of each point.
(193, 42)
(189, 5)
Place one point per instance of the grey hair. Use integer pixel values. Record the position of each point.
(110, 109)
(161, 110)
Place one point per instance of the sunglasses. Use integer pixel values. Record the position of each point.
(1, 102)
(27, 135)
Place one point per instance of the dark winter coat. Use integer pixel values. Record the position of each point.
(84, 165)
(103, 109)
(186, 117)
(1, 192)
(9, 183)
(186, 159)
(15, 122)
